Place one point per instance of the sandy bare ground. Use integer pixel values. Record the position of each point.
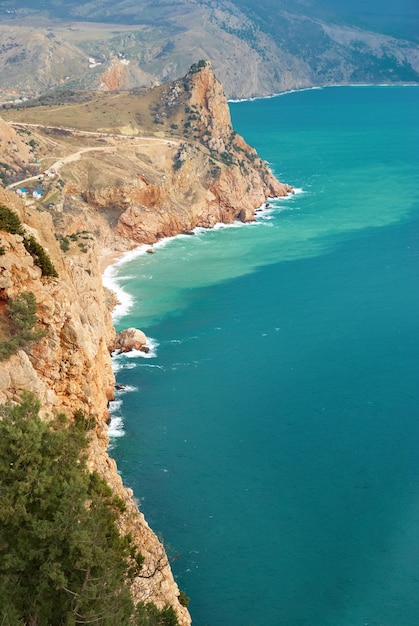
(75, 156)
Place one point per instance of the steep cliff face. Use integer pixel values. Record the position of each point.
(70, 368)
(73, 360)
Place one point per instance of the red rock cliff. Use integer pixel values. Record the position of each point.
(211, 176)
(70, 368)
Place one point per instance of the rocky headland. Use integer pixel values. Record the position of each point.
(111, 189)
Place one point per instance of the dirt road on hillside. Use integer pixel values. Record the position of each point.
(62, 161)
(74, 156)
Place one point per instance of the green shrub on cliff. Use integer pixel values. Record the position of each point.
(147, 614)
(196, 67)
(40, 257)
(62, 558)
(9, 221)
(22, 318)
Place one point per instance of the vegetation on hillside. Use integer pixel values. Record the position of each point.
(62, 558)
(10, 223)
(21, 319)
(256, 48)
(40, 257)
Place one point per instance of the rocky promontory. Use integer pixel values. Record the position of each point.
(211, 175)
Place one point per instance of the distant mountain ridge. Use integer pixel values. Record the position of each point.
(256, 49)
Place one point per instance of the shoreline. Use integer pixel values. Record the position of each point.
(113, 259)
(110, 263)
(318, 87)
(110, 259)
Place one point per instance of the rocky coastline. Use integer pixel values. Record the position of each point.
(70, 368)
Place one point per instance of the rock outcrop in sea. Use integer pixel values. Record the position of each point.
(130, 339)
(209, 175)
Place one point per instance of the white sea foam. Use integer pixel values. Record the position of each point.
(116, 427)
(120, 363)
(152, 345)
(125, 300)
(139, 354)
(285, 93)
(184, 340)
(110, 280)
(273, 95)
(125, 389)
(114, 406)
(119, 360)
(201, 230)
(235, 224)
(275, 205)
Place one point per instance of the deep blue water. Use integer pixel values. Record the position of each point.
(273, 440)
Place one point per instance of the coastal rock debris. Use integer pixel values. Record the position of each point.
(131, 339)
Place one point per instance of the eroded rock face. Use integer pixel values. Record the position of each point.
(70, 369)
(219, 178)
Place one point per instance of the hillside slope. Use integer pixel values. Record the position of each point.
(123, 45)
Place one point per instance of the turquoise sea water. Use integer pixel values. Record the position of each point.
(273, 436)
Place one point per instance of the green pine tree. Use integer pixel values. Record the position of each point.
(63, 561)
